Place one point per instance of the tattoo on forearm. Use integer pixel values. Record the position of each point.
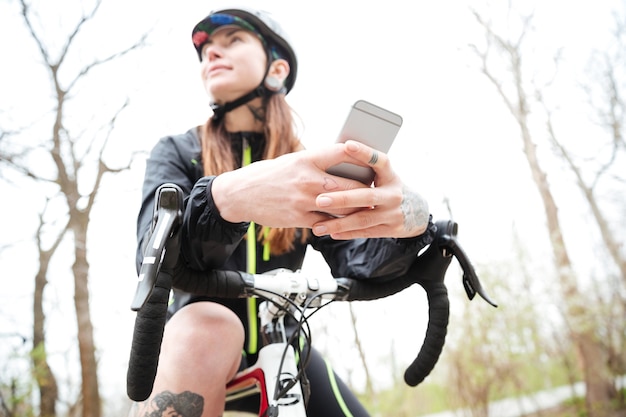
(167, 404)
(414, 209)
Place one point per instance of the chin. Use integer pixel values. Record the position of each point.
(223, 92)
(221, 95)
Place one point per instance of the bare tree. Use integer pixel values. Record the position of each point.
(594, 357)
(46, 381)
(79, 166)
(606, 98)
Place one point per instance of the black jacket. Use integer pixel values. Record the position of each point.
(210, 242)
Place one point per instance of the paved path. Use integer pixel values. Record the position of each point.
(518, 407)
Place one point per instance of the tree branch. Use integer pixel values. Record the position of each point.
(102, 167)
(86, 69)
(10, 160)
(57, 241)
(84, 19)
(42, 49)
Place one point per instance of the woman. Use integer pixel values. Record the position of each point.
(246, 178)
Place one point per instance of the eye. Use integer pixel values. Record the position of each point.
(236, 37)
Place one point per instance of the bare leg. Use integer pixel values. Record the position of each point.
(201, 352)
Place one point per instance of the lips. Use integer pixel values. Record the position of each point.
(215, 68)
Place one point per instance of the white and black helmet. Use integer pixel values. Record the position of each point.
(274, 39)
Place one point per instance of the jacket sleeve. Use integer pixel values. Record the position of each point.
(380, 259)
(207, 239)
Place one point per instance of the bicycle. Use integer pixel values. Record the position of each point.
(277, 378)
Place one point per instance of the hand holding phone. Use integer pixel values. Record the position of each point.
(371, 125)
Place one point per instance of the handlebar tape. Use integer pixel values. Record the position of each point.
(150, 320)
(438, 316)
(371, 290)
(428, 271)
(147, 338)
(215, 283)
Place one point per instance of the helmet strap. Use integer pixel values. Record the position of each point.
(219, 110)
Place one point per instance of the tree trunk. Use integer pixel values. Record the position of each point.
(46, 381)
(91, 403)
(601, 390)
(600, 385)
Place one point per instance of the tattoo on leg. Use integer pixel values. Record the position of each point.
(414, 209)
(167, 404)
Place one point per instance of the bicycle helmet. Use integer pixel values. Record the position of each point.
(272, 36)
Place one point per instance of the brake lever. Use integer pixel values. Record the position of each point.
(167, 221)
(451, 247)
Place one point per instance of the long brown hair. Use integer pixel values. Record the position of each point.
(280, 139)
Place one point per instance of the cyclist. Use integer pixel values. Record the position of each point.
(254, 200)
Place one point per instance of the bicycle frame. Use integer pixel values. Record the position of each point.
(274, 361)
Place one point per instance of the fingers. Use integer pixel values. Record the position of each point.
(372, 214)
(369, 223)
(360, 220)
(386, 185)
(351, 152)
(330, 156)
(356, 198)
(363, 224)
(379, 161)
(390, 211)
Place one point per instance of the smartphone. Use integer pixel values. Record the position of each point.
(371, 125)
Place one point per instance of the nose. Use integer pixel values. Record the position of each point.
(211, 51)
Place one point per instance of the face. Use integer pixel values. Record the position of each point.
(233, 64)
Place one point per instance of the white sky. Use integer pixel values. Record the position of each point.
(457, 141)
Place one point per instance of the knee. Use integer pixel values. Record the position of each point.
(204, 326)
